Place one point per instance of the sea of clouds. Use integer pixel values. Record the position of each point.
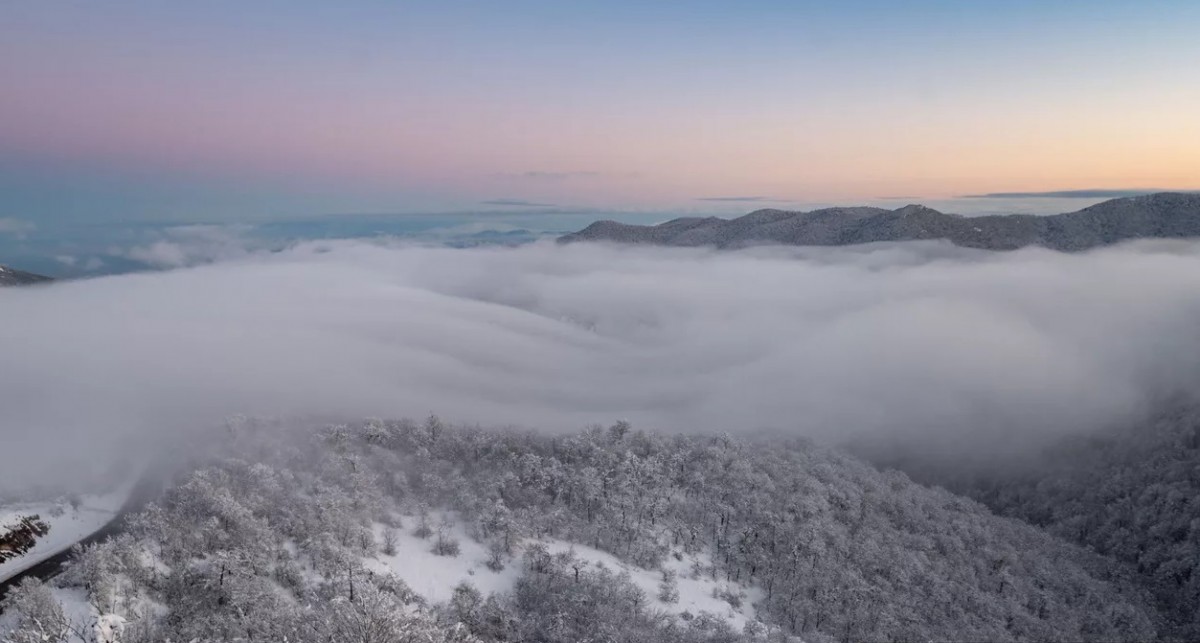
(921, 343)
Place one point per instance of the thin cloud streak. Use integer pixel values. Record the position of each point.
(555, 177)
(741, 199)
(518, 203)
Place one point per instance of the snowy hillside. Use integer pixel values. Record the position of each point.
(69, 523)
(460, 534)
(14, 277)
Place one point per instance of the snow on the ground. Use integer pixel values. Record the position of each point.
(695, 589)
(79, 613)
(109, 628)
(68, 527)
(434, 577)
(84, 623)
(87, 625)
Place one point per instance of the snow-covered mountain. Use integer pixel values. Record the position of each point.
(468, 534)
(14, 277)
(1163, 215)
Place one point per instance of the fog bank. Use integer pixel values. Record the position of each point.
(951, 348)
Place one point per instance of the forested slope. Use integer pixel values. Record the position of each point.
(1133, 494)
(274, 534)
(838, 546)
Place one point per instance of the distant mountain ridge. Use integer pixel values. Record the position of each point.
(1161, 215)
(14, 277)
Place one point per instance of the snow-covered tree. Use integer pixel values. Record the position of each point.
(39, 615)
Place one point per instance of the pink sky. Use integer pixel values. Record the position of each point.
(656, 124)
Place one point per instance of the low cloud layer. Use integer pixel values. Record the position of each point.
(192, 244)
(924, 343)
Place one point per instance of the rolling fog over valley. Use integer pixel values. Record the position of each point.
(932, 348)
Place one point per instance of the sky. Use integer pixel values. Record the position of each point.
(122, 111)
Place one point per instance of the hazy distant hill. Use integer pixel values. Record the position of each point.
(12, 277)
(1163, 215)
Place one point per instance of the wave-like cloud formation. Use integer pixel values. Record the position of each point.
(922, 343)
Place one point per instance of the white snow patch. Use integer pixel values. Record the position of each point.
(81, 615)
(434, 577)
(695, 590)
(68, 527)
(78, 611)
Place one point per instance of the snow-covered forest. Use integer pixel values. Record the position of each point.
(1132, 494)
(424, 531)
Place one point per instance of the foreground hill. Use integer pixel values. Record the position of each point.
(14, 277)
(1163, 215)
(306, 535)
